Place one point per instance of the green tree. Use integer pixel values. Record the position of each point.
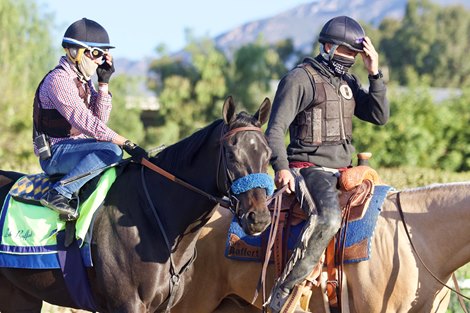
(456, 134)
(429, 46)
(413, 135)
(191, 90)
(254, 67)
(125, 120)
(27, 55)
(286, 51)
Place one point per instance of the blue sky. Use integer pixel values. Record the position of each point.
(136, 27)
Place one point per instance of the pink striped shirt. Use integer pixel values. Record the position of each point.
(59, 91)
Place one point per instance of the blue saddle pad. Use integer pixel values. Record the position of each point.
(243, 247)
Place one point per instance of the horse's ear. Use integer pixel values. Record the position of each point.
(264, 111)
(228, 110)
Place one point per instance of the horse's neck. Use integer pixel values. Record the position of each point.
(438, 217)
(200, 168)
(185, 209)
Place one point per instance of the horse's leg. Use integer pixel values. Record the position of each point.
(14, 300)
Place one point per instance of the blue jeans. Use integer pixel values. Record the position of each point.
(76, 157)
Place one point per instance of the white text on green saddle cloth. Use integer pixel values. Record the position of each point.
(30, 225)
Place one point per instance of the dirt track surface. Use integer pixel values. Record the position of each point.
(47, 308)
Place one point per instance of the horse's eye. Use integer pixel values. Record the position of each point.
(231, 157)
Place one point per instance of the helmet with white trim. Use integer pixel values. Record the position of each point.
(86, 33)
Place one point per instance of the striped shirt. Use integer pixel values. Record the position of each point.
(59, 91)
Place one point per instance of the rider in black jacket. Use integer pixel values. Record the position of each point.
(316, 101)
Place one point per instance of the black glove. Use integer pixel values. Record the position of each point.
(137, 153)
(104, 72)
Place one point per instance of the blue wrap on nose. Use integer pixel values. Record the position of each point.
(257, 180)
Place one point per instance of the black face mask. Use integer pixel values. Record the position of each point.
(341, 65)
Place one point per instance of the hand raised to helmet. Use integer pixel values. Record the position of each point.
(370, 57)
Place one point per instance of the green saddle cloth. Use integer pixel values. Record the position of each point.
(26, 223)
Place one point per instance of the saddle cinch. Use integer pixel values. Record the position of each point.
(356, 186)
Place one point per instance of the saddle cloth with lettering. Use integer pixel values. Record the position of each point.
(29, 231)
(240, 246)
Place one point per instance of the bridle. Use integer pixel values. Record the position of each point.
(224, 175)
(231, 202)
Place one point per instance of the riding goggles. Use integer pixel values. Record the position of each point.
(95, 52)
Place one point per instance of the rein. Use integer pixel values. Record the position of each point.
(223, 202)
(175, 275)
(402, 216)
(275, 220)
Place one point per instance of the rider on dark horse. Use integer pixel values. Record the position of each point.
(70, 134)
(316, 102)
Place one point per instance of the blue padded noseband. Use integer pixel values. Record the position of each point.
(257, 180)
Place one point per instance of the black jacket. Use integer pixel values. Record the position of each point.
(293, 95)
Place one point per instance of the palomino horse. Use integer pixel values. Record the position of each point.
(392, 280)
(143, 240)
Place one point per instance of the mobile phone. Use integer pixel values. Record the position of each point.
(44, 149)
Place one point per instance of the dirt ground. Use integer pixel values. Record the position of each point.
(48, 308)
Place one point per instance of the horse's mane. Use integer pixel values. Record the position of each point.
(185, 149)
(183, 152)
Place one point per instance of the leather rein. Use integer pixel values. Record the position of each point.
(402, 216)
(224, 202)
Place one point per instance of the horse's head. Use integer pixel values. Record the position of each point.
(246, 158)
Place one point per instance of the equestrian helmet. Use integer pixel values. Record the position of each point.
(86, 33)
(344, 31)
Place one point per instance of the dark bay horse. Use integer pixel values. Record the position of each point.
(392, 280)
(136, 259)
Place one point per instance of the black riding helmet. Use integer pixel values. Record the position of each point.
(344, 31)
(85, 32)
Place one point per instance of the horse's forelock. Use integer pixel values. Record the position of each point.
(244, 119)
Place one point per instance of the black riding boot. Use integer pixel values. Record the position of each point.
(57, 202)
(322, 187)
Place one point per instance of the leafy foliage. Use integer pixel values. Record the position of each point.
(254, 67)
(419, 133)
(26, 57)
(429, 46)
(124, 120)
